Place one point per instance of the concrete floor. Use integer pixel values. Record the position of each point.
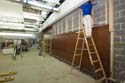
(38, 69)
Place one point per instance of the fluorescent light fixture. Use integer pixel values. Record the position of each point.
(29, 25)
(28, 29)
(14, 26)
(35, 3)
(32, 16)
(11, 24)
(43, 14)
(17, 0)
(19, 28)
(16, 34)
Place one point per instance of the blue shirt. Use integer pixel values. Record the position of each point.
(86, 8)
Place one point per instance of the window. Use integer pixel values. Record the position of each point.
(63, 25)
(75, 20)
(69, 23)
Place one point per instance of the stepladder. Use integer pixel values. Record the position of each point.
(47, 46)
(84, 43)
(43, 47)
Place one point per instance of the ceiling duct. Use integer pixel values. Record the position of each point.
(38, 4)
(52, 1)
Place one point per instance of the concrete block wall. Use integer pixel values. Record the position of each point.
(119, 33)
(119, 40)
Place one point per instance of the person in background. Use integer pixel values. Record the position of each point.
(87, 19)
(39, 47)
(40, 43)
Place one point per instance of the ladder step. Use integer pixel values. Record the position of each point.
(103, 78)
(79, 32)
(77, 54)
(97, 70)
(88, 37)
(96, 61)
(85, 49)
(79, 49)
(90, 45)
(82, 49)
(80, 38)
(93, 52)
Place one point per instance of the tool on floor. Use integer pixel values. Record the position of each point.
(7, 74)
(85, 43)
(6, 79)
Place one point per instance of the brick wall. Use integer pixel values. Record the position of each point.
(119, 39)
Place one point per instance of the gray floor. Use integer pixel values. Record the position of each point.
(36, 69)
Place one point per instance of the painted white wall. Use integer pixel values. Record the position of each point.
(65, 8)
(10, 11)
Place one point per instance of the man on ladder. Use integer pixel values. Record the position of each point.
(87, 19)
(87, 30)
(88, 44)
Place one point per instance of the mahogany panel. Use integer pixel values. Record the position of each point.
(63, 46)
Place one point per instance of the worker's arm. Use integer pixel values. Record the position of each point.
(88, 1)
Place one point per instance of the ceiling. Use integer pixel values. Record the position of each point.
(35, 13)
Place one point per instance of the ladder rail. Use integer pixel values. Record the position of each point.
(81, 53)
(86, 42)
(76, 46)
(100, 62)
(83, 41)
(91, 60)
(75, 50)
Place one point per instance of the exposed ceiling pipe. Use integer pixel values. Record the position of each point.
(35, 3)
(23, 29)
(53, 1)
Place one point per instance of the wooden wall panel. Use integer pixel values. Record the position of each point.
(102, 41)
(63, 46)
